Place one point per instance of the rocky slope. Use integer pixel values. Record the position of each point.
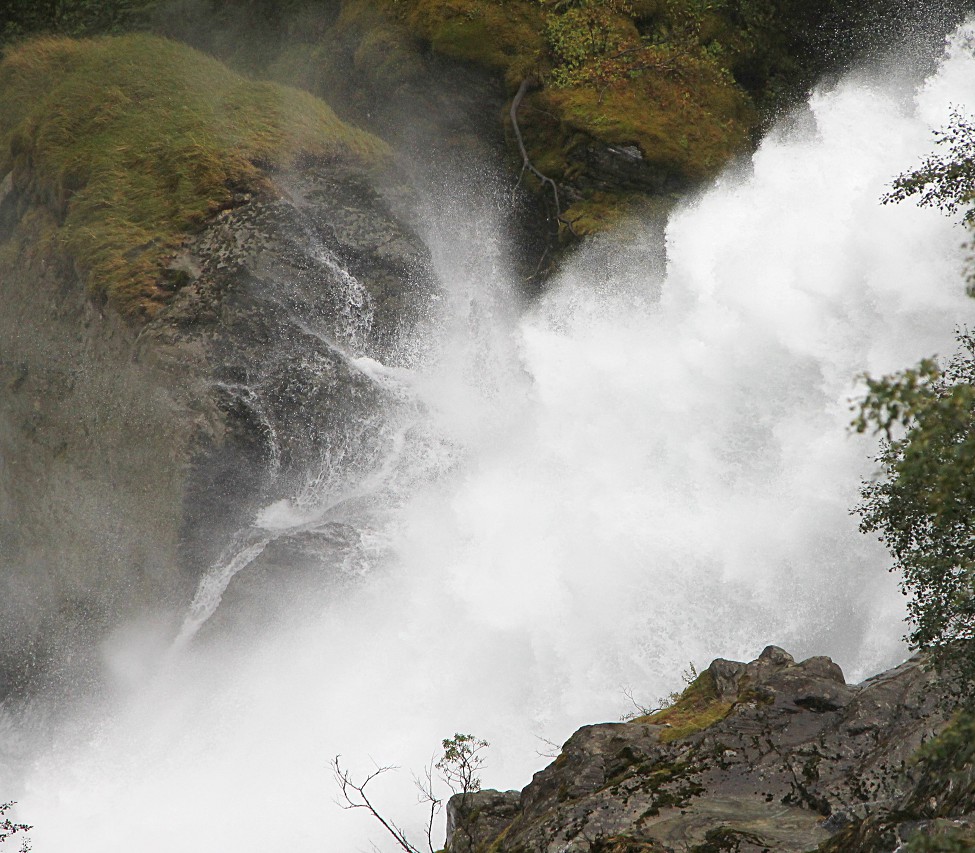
(772, 755)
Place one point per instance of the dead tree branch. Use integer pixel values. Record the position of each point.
(425, 787)
(355, 797)
(526, 163)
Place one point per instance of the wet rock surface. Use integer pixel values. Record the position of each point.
(798, 756)
(290, 292)
(130, 455)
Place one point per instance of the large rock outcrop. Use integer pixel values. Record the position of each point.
(771, 755)
(627, 99)
(130, 453)
(192, 265)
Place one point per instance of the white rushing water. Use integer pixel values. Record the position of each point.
(649, 466)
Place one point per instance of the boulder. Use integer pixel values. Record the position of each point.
(478, 817)
(771, 755)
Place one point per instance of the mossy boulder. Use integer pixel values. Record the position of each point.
(136, 141)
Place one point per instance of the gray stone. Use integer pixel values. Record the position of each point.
(476, 818)
(798, 757)
(727, 675)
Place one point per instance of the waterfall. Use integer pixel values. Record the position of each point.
(649, 466)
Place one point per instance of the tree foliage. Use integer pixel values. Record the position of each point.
(461, 763)
(922, 504)
(945, 180)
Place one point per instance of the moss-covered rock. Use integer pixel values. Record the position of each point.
(133, 142)
(628, 98)
(698, 707)
(190, 264)
(645, 96)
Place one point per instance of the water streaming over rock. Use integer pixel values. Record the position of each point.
(648, 466)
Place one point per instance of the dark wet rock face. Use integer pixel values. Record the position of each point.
(129, 455)
(799, 756)
(290, 291)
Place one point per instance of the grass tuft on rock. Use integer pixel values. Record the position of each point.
(134, 141)
(697, 708)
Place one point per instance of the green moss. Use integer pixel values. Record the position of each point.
(599, 212)
(686, 121)
(942, 837)
(697, 708)
(134, 141)
(505, 36)
(496, 844)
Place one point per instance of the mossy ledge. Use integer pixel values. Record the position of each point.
(697, 708)
(132, 142)
(630, 97)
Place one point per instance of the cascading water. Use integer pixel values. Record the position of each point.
(649, 466)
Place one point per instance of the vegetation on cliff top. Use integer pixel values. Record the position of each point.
(637, 75)
(679, 86)
(628, 98)
(697, 708)
(133, 141)
(685, 83)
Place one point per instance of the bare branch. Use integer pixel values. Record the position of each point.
(355, 797)
(641, 710)
(553, 748)
(527, 84)
(425, 786)
(458, 767)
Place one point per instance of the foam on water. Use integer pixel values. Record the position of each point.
(650, 466)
